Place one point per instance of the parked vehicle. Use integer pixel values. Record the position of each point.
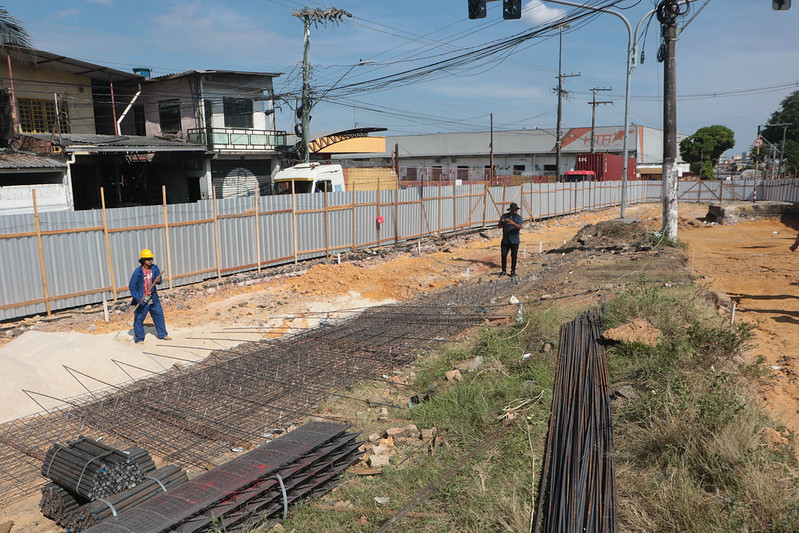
(607, 167)
(579, 175)
(309, 177)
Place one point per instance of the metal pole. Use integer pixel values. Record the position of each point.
(560, 104)
(632, 43)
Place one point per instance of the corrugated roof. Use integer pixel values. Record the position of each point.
(24, 160)
(215, 72)
(116, 143)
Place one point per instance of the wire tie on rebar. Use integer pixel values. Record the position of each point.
(285, 497)
(157, 481)
(87, 465)
(52, 459)
(114, 511)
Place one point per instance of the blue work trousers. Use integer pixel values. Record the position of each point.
(154, 308)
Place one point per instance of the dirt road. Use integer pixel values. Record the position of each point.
(750, 261)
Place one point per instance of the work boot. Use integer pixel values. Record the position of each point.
(513, 273)
(503, 273)
(166, 338)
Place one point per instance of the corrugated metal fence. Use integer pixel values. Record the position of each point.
(57, 260)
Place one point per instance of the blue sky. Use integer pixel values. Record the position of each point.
(736, 60)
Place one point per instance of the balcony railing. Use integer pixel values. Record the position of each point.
(237, 139)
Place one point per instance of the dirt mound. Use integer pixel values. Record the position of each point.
(617, 234)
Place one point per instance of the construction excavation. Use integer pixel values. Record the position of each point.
(277, 389)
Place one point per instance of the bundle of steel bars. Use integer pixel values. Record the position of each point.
(92, 513)
(93, 470)
(253, 489)
(577, 489)
(58, 503)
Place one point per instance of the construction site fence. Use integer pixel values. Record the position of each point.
(64, 259)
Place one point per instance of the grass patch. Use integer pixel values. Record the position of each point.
(690, 442)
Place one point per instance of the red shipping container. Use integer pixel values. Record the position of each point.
(608, 167)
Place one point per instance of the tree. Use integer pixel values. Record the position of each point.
(12, 35)
(14, 41)
(703, 149)
(788, 113)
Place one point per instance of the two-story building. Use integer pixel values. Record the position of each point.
(82, 126)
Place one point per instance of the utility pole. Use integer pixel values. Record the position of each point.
(561, 92)
(307, 16)
(491, 150)
(593, 103)
(667, 13)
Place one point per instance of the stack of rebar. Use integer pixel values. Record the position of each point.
(58, 503)
(577, 489)
(92, 469)
(92, 513)
(251, 490)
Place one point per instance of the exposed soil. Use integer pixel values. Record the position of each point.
(750, 261)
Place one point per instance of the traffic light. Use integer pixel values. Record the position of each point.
(512, 9)
(780, 5)
(477, 9)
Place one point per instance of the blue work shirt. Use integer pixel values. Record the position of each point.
(510, 234)
(137, 284)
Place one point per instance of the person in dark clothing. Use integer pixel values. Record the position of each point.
(511, 222)
(144, 295)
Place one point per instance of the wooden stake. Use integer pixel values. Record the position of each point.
(353, 220)
(257, 228)
(396, 212)
(166, 237)
(294, 219)
(41, 253)
(378, 212)
(108, 246)
(216, 236)
(327, 230)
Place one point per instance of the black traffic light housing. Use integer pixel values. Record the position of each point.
(780, 5)
(512, 9)
(477, 9)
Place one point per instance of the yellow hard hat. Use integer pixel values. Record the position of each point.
(146, 254)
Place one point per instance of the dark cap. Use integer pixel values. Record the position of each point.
(513, 207)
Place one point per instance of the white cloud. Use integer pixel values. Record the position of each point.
(536, 13)
(66, 14)
(102, 2)
(232, 35)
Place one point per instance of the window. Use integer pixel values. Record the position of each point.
(169, 115)
(238, 112)
(39, 116)
(139, 123)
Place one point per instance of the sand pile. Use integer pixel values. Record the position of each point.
(35, 362)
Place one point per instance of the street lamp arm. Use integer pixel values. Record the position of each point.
(358, 64)
(632, 42)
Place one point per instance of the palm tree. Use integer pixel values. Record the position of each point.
(13, 40)
(12, 34)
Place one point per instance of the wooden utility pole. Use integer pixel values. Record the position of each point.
(593, 103)
(667, 13)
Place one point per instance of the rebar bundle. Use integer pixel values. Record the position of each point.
(255, 488)
(92, 513)
(92, 469)
(57, 503)
(577, 489)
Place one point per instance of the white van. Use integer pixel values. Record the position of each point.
(309, 177)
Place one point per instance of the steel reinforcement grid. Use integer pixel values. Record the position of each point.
(200, 416)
